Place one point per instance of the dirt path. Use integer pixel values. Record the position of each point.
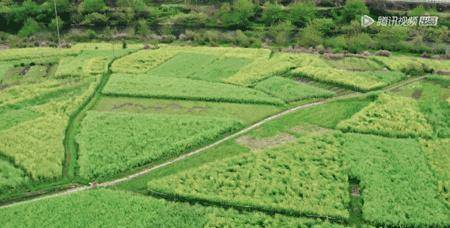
(190, 154)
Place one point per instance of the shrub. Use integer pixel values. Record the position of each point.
(29, 28)
(353, 9)
(90, 6)
(302, 13)
(272, 13)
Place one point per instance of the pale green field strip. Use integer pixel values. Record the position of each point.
(327, 115)
(10, 176)
(12, 117)
(302, 178)
(200, 66)
(262, 68)
(389, 115)
(355, 64)
(360, 81)
(4, 67)
(36, 71)
(397, 186)
(107, 208)
(405, 63)
(142, 61)
(246, 113)
(146, 60)
(181, 88)
(88, 62)
(142, 138)
(289, 90)
(34, 53)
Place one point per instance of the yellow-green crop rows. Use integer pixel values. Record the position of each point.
(143, 85)
(111, 143)
(298, 178)
(97, 112)
(390, 116)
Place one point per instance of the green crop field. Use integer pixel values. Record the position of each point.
(130, 210)
(362, 81)
(200, 66)
(245, 113)
(390, 116)
(397, 185)
(10, 176)
(289, 90)
(173, 135)
(289, 179)
(141, 138)
(142, 85)
(438, 155)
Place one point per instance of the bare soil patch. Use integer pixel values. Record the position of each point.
(265, 143)
(417, 94)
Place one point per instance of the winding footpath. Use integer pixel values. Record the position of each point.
(190, 154)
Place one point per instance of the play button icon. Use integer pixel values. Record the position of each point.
(366, 21)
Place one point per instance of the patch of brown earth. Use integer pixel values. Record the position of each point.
(308, 129)
(265, 143)
(417, 94)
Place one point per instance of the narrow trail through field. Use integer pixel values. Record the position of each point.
(190, 154)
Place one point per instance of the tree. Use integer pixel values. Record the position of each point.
(391, 37)
(353, 9)
(310, 37)
(272, 13)
(94, 19)
(136, 5)
(53, 24)
(90, 6)
(324, 25)
(61, 5)
(238, 15)
(29, 28)
(142, 28)
(281, 32)
(28, 9)
(302, 13)
(359, 42)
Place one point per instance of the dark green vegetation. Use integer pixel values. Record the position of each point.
(319, 24)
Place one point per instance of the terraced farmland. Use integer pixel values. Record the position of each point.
(181, 136)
